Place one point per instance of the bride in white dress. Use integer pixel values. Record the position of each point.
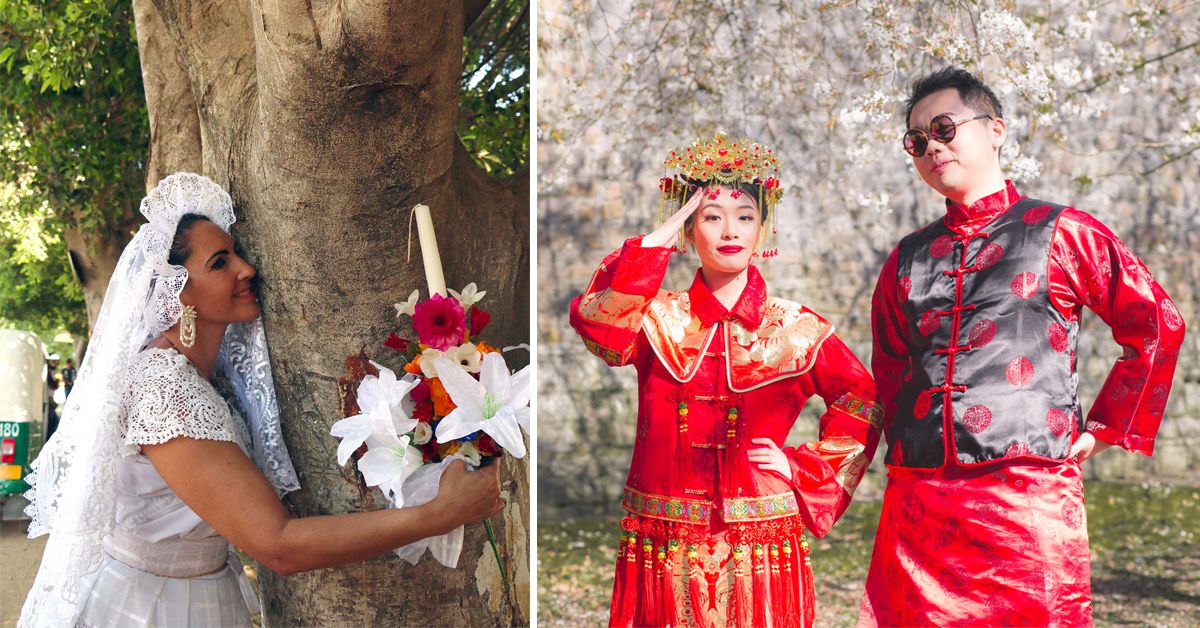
(152, 473)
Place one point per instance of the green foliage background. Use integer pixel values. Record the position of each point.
(74, 136)
(73, 133)
(494, 109)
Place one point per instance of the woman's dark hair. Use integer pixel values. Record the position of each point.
(180, 250)
(971, 90)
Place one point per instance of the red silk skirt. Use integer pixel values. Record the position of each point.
(1004, 544)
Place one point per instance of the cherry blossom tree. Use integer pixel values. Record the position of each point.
(1102, 100)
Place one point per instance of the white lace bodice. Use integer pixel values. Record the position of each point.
(165, 397)
(89, 479)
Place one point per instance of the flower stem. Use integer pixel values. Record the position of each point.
(487, 525)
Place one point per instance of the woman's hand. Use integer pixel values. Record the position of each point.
(1086, 446)
(244, 508)
(770, 457)
(665, 234)
(469, 496)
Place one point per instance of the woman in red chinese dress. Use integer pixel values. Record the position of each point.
(717, 511)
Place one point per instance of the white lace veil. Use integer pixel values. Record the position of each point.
(74, 479)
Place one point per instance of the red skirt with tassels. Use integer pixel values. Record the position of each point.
(742, 575)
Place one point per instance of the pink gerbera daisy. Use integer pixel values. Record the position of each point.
(440, 322)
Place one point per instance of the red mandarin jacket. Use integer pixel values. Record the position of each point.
(1088, 266)
(712, 379)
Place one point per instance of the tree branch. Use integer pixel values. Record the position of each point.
(174, 120)
(472, 9)
(1110, 76)
(215, 43)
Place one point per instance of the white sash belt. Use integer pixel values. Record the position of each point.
(169, 558)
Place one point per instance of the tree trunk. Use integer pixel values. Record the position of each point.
(327, 122)
(93, 258)
(174, 122)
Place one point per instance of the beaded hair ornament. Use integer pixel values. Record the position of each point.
(739, 164)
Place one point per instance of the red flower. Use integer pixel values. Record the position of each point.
(487, 446)
(420, 392)
(396, 342)
(429, 451)
(478, 320)
(440, 322)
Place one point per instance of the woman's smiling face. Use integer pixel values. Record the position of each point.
(220, 282)
(725, 229)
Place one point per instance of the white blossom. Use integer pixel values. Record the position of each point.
(1024, 169)
(1079, 26)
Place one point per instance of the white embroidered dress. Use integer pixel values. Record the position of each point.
(162, 564)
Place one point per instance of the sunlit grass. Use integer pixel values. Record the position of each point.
(1144, 539)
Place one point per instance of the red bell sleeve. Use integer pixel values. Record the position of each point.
(826, 471)
(1090, 266)
(608, 315)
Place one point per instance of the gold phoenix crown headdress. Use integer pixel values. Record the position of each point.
(721, 161)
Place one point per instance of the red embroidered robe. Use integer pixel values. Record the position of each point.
(711, 540)
(1005, 543)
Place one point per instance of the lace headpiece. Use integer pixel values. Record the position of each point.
(743, 164)
(175, 196)
(74, 479)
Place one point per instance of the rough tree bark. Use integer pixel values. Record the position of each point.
(93, 258)
(327, 121)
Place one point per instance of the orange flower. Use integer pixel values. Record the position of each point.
(486, 348)
(441, 400)
(413, 366)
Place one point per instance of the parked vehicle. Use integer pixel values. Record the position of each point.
(24, 407)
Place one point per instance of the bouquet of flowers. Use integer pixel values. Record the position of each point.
(455, 399)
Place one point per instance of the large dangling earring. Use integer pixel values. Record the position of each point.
(187, 327)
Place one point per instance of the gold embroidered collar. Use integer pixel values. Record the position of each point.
(765, 339)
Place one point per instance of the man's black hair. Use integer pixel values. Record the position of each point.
(970, 89)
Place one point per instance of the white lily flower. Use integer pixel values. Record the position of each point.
(469, 296)
(498, 403)
(387, 466)
(428, 357)
(408, 307)
(468, 356)
(422, 434)
(385, 417)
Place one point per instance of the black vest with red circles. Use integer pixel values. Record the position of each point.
(991, 371)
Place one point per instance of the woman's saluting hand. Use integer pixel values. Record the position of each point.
(667, 232)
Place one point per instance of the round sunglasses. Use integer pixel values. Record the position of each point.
(942, 129)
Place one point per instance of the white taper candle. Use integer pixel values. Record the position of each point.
(429, 251)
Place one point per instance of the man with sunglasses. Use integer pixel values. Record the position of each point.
(975, 321)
